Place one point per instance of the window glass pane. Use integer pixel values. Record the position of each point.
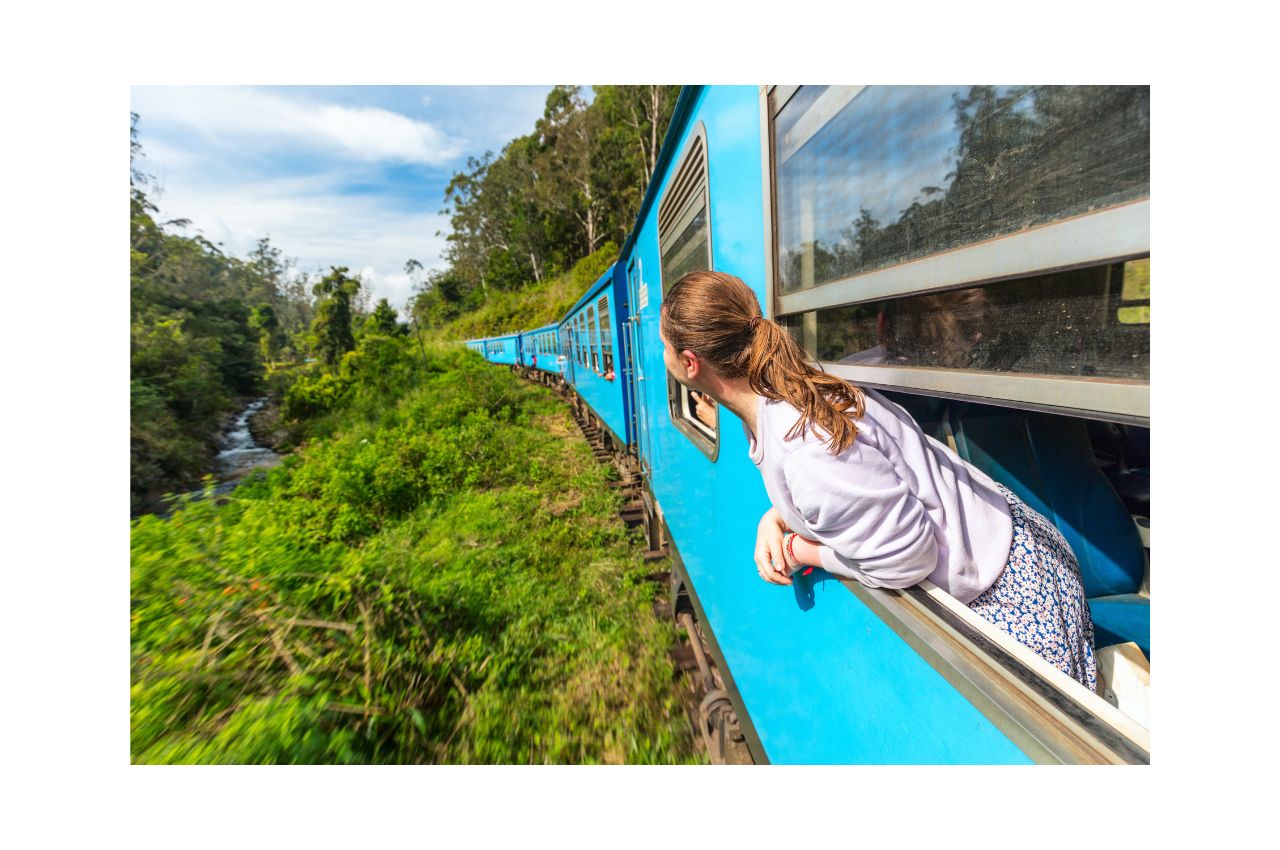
(690, 252)
(593, 338)
(898, 173)
(1066, 324)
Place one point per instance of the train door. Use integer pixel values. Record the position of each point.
(638, 295)
(566, 353)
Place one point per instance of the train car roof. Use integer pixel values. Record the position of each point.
(512, 335)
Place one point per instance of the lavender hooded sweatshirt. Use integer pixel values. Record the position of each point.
(894, 508)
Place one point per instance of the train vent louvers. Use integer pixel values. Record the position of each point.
(686, 192)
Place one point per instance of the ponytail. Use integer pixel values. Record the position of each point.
(717, 316)
(777, 369)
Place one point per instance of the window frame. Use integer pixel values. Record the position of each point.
(1044, 713)
(678, 402)
(606, 334)
(578, 340)
(593, 337)
(1111, 235)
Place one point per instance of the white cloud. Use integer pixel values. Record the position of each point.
(218, 154)
(230, 116)
(313, 224)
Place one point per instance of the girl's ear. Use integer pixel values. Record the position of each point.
(691, 363)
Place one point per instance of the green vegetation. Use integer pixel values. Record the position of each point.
(443, 579)
(202, 324)
(437, 573)
(532, 307)
(531, 229)
(550, 198)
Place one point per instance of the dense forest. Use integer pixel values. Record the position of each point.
(209, 330)
(437, 571)
(563, 192)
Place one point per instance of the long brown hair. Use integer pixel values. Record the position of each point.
(717, 316)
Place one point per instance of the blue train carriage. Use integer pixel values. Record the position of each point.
(540, 353)
(593, 331)
(504, 349)
(1005, 301)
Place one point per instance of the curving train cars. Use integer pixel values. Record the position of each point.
(981, 255)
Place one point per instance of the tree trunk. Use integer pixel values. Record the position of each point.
(655, 114)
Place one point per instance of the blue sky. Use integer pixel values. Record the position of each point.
(335, 175)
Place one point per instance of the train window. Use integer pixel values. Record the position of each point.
(868, 178)
(1066, 324)
(684, 245)
(606, 337)
(684, 232)
(593, 337)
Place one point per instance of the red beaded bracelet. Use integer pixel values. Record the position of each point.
(791, 540)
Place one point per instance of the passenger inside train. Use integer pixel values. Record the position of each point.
(859, 490)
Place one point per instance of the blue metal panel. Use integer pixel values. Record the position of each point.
(606, 398)
(823, 679)
(509, 349)
(546, 360)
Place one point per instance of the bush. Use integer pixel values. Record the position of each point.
(445, 581)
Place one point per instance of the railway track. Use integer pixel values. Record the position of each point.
(706, 703)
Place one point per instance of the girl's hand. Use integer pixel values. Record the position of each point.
(771, 563)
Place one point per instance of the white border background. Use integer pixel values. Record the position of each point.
(68, 70)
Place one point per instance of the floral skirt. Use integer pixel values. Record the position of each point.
(1039, 598)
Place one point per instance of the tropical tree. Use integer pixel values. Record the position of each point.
(331, 326)
(383, 320)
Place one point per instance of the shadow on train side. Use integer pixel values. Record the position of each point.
(808, 583)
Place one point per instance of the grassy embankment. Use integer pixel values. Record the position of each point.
(532, 307)
(438, 575)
